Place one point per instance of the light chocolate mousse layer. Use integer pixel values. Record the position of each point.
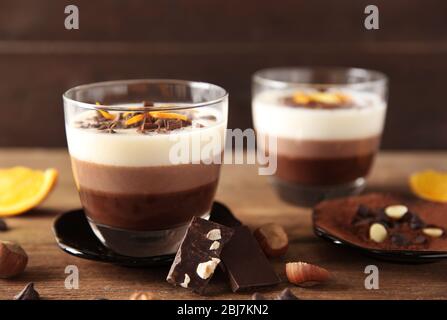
(145, 198)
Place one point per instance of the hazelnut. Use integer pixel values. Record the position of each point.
(377, 232)
(214, 235)
(141, 296)
(186, 282)
(13, 259)
(273, 239)
(215, 245)
(300, 273)
(206, 269)
(433, 232)
(396, 212)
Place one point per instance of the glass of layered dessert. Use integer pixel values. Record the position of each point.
(327, 123)
(146, 158)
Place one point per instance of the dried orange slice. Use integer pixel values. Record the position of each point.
(325, 97)
(300, 98)
(168, 115)
(22, 189)
(105, 114)
(134, 119)
(430, 185)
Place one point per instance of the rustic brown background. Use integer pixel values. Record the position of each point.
(223, 42)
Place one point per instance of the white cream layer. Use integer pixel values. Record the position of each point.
(271, 117)
(130, 148)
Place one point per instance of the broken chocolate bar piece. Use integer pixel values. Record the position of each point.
(221, 214)
(245, 264)
(199, 254)
(28, 293)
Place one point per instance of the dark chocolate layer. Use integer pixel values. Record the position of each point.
(140, 211)
(323, 171)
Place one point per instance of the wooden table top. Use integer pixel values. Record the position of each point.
(254, 202)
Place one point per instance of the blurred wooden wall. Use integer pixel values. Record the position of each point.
(221, 41)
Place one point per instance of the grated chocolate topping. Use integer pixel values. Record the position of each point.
(141, 122)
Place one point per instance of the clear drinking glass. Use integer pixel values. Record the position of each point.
(327, 122)
(146, 158)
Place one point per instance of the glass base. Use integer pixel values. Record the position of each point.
(140, 243)
(308, 196)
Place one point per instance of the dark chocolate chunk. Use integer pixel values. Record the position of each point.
(287, 294)
(363, 216)
(221, 214)
(406, 218)
(245, 264)
(3, 225)
(363, 211)
(399, 240)
(199, 254)
(416, 222)
(382, 218)
(28, 293)
(258, 296)
(420, 239)
(360, 222)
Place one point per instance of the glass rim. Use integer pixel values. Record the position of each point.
(377, 77)
(163, 107)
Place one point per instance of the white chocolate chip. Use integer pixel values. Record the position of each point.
(206, 269)
(377, 232)
(186, 282)
(214, 234)
(396, 212)
(215, 245)
(433, 232)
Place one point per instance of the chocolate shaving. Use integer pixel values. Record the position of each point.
(147, 123)
(174, 124)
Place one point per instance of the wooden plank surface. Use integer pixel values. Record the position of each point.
(222, 42)
(254, 202)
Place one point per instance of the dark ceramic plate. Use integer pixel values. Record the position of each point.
(74, 236)
(402, 256)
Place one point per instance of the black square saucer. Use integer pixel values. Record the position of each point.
(74, 236)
